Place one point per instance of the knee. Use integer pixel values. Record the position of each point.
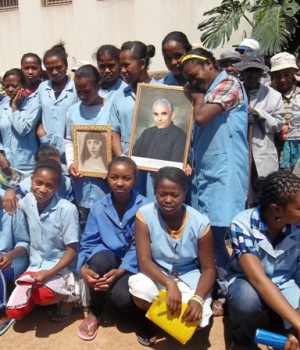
(20, 312)
(42, 295)
(103, 262)
(140, 303)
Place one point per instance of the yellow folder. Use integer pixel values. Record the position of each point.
(160, 315)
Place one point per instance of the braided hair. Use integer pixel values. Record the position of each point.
(278, 188)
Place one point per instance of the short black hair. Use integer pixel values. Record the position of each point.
(128, 161)
(49, 164)
(173, 174)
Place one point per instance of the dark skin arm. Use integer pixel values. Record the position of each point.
(207, 278)
(116, 144)
(204, 112)
(268, 291)
(149, 268)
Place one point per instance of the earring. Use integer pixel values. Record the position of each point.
(278, 218)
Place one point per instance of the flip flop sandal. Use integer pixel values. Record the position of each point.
(218, 308)
(7, 325)
(85, 336)
(60, 316)
(146, 335)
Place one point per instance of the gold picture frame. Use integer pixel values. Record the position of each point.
(156, 143)
(92, 149)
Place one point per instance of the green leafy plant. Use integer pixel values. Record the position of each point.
(274, 23)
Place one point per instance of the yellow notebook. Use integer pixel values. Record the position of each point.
(160, 315)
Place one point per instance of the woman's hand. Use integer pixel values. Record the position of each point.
(42, 276)
(10, 201)
(193, 312)
(90, 276)
(5, 261)
(17, 100)
(174, 299)
(284, 131)
(4, 164)
(73, 171)
(188, 170)
(292, 343)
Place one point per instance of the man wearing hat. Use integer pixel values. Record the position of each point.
(247, 44)
(266, 112)
(226, 61)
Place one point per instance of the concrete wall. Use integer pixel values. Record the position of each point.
(87, 24)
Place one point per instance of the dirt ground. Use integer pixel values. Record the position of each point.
(36, 331)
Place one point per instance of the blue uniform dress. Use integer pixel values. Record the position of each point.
(54, 112)
(13, 234)
(121, 118)
(108, 243)
(219, 155)
(169, 79)
(249, 235)
(87, 190)
(17, 132)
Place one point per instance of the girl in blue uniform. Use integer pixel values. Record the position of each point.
(175, 252)
(31, 66)
(134, 61)
(219, 152)
(108, 62)
(54, 234)
(107, 254)
(174, 47)
(14, 242)
(18, 119)
(89, 111)
(56, 95)
(263, 273)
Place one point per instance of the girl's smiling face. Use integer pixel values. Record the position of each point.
(173, 53)
(121, 179)
(131, 68)
(44, 184)
(94, 147)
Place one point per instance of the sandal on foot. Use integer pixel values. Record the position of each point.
(218, 308)
(6, 325)
(146, 335)
(62, 313)
(89, 325)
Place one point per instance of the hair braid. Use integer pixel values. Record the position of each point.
(278, 187)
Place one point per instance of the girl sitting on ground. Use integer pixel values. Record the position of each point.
(107, 257)
(14, 242)
(264, 268)
(175, 252)
(54, 233)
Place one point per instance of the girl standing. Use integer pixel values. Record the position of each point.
(174, 47)
(134, 61)
(107, 254)
(264, 269)
(174, 243)
(18, 118)
(56, 95)
(219, 152)
(31, 66)
(54, 233)
(108, 63)
(89, 111)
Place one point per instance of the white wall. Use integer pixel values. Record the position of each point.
(87, 24)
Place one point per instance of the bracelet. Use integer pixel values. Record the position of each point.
(198, 299)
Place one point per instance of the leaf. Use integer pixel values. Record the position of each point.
(275, 26)
(225, 18)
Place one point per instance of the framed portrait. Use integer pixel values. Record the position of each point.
(92, 149)
(161, 128)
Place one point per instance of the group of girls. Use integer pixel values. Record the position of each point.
(129, 249)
